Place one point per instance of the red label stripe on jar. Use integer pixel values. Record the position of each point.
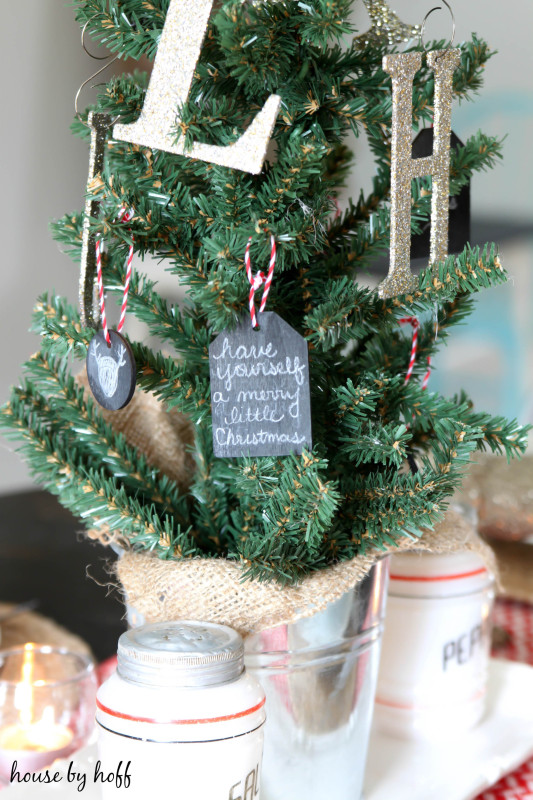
(432, 578)
(381, 701)
(112, 713)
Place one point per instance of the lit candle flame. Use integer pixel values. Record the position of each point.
(36, 742)
(24, 690)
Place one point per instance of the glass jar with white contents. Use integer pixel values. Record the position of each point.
(181, 718)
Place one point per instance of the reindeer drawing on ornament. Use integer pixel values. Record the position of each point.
(108, 369)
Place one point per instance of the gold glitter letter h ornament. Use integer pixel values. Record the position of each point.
(169, 87)
(402, 68)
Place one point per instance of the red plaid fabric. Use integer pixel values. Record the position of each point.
(516, 620)
(516, 786)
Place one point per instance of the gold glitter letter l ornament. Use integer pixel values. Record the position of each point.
(169, 87)
(89, 307)
(402, 68)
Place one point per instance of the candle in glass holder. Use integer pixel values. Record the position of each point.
(32, 743)
(33, 746)
(46, 707)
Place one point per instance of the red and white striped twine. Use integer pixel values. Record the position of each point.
(124, 215)
(415, 324)
(427, 375)
(101, 288)
(257, 280)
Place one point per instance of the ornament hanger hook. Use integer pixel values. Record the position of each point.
(108, 63)
(423, 27)
(83, 33)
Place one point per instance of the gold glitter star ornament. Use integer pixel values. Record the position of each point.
(175, 62)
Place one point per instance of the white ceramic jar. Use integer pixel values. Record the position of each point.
(435, 651)
(180, 717)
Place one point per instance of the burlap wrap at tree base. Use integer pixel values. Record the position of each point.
(213, 589)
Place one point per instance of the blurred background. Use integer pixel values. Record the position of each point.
(45, 171)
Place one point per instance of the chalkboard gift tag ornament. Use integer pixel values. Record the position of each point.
(459, 220)
(111, 370)
(260, 393)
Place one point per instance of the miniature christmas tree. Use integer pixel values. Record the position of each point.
(280, 517)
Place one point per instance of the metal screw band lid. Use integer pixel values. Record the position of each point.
(181, 654)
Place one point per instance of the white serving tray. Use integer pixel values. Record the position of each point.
(399, 769)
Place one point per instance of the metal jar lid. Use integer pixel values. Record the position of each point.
(181, 654)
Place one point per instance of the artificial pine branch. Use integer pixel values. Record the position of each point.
(184, 329)
(55, 320)
(86, 490)
(96, 439)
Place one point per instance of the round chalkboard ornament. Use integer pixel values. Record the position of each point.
(110, 363)
(111, 370)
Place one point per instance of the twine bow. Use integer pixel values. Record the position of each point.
(124, 215)
(257, 280)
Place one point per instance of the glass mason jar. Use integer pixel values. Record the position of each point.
(434, 663)
(181, 717)
(319, 675)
